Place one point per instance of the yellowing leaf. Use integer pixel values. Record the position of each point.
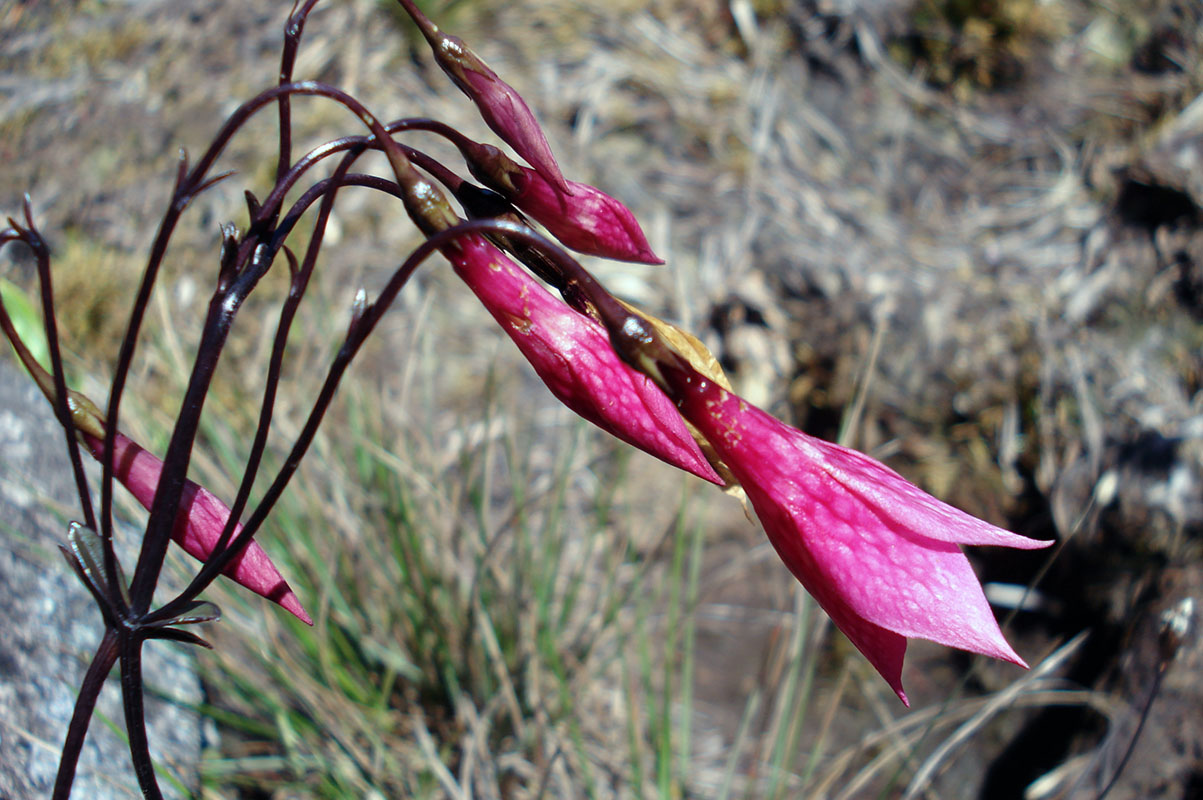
(700, 358)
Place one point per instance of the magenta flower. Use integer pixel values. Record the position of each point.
(502, 109)
(499, 105)
(199, 523)
(879, 554)
(585, 219)
(573, 356)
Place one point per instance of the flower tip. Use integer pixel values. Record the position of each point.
(626, 244)
(1007, 653)
(290, 603)
(549, 170)
(646, 256)
(986, 642)
(891, 671)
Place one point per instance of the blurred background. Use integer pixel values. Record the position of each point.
(961, 235)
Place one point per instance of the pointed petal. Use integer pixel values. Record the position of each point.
(573, 356)
(197, 528)
(911, 507)
(878, 553)
(199, 522)
(911, 585)
(587, 220)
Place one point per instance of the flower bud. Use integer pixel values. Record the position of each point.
(584, 218)
(572, 354)
(199, 521)
(500, 106)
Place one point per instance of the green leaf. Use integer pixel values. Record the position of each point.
(27, 319)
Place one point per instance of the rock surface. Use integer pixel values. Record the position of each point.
(51, 629)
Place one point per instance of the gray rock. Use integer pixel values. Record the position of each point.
(51, 628)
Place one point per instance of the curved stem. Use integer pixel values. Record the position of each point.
(222, 309)
(315, 192)
(132, 692)
(56, 392)
(85, 704)
(293, 28)
(296, 292)
(272, 202)
(361, 327)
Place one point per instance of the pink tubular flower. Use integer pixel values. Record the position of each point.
(586, 219)
(505, 112)
(573, 356)
(583, 218)
(499, 105)
(199, 523)
(878, 553)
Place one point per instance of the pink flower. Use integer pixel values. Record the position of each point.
(573, 356)
(585, 219)
(879, 554)
(500, 106)
(199, 523)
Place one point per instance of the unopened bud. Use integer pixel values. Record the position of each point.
(427, 206)
(584, 218)
(500, 106)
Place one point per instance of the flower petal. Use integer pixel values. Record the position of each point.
(506, 114)
(199, 522)
(878, 553)
(910, 506)
(573, 356)
(587, 219)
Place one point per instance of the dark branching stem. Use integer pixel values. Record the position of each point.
(189, 184)
(326, 190)
(241, 270)
(293, 28)
(289, 221)
(135, 719)
(285, 183)
(220, 317)
(300, 281)
(85, 703)
(29, 236)
(361, 326)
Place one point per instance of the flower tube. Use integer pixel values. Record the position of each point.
(879, 554)
(199, 522)
(582, 217)
(573, 356)
(585, 219)
(499, 104)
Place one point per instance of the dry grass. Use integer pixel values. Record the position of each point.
(509, 606)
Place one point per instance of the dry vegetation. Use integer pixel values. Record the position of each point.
(963, 235)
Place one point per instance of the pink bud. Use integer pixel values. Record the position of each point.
(585, 219)
(199, 523)
(573, 356)
(500, 106)
(878, 553)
